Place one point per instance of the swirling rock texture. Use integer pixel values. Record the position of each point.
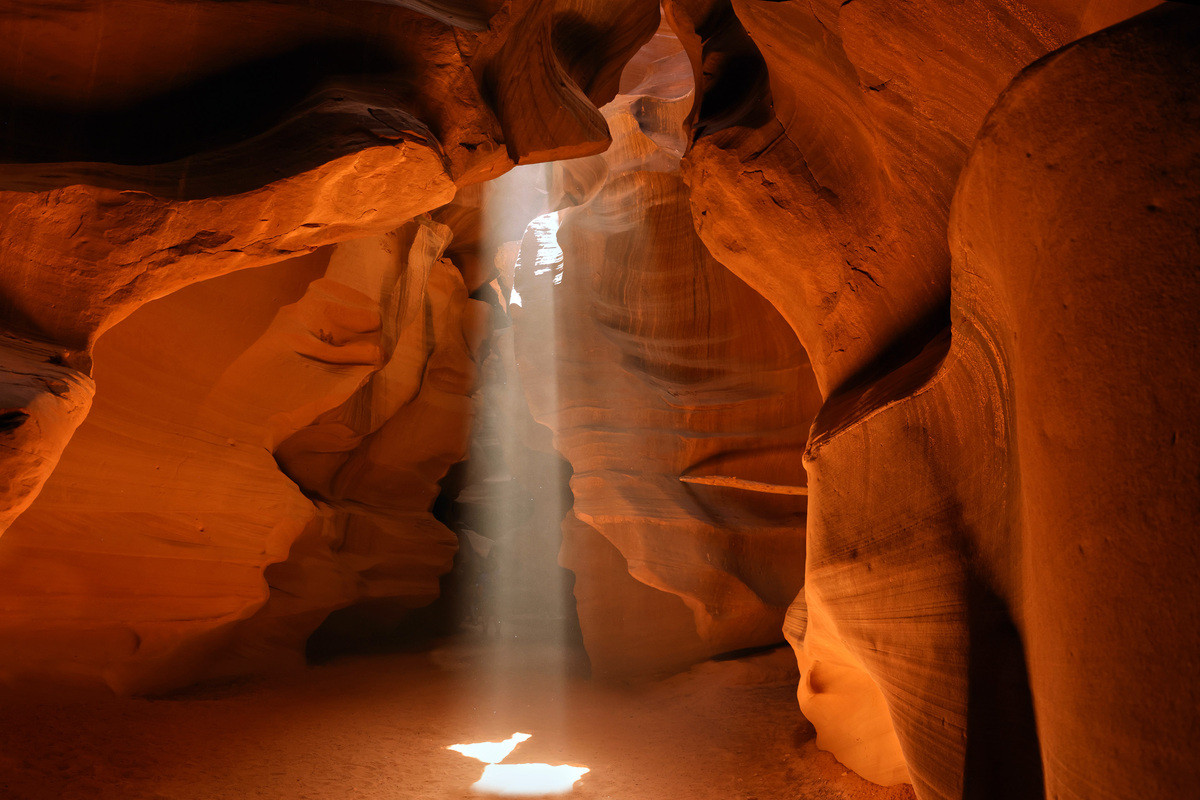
(924, 631)
(300, 440)
(677, 393)
(150, 146)
(957, 238)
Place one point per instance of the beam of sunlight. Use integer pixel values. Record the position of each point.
(526, 610)
(528, 780)
(490, 752)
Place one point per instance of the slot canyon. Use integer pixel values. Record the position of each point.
(607, 399)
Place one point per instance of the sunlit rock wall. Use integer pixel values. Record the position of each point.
(1074, 235)
(680, 397)
(829, 139)
(287, 423)
(150, 145)
(998, 595)
(258, 423)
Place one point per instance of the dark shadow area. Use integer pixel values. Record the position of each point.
(735, 86)
(1003, 758)
(920, 354)
(214, 112)
(745, 652)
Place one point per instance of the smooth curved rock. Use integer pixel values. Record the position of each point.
(826, 185)
(844, 145)
(1075, 255)
(151, 145)
(677, 395)
(547, 66)
(998, 487)
(272, 461)
(371, 462)
(42, 402)
(965, 476)
(149, 541)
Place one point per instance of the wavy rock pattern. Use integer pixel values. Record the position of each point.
(911, 631)
(651, 363)
(153, 145)
(146, 501)
(998, 580)
(372, 462)
(345, 375)
(842, 162)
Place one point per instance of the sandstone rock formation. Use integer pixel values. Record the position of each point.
(884, 312)
(999, 495)
(151, 146)
(844, 163)
(287, 423)
(677, 393)
(1057, 236)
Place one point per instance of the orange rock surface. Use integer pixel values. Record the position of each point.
(150, 148)
(678, 395)
(842, 161)
(302, 443)
(871, 325)
(151, 145)
(1075, 262)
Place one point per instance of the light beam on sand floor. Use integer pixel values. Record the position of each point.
(490, 752)
(528, 780)
(526, 602)
(518, 780)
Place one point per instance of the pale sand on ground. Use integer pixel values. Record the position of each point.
(376, 728)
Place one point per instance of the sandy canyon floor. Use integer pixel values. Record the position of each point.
(376, 728)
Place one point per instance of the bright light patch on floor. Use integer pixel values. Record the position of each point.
(490, 752)
(528, 780)
(517, 780)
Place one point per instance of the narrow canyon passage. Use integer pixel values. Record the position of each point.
(700, 399)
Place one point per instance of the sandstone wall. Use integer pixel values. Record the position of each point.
(153, 151)
(957, 245)
(680, 397)
(916, 631)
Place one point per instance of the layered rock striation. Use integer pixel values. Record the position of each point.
(881, 316)
(924, 628)
(154, 148)
(680, 397)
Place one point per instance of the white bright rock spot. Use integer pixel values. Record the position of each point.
(549, 254)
